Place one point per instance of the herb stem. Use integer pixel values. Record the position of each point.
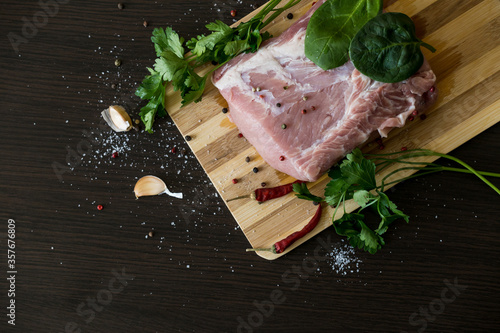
(429, 47)
(469, 168)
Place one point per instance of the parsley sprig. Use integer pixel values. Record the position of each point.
(354, 178)
(177, 61)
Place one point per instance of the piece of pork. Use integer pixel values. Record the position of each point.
(302, 119)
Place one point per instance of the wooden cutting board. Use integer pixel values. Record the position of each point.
(466, 35)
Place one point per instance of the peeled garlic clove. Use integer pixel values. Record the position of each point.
(117, 118)
(151, 185)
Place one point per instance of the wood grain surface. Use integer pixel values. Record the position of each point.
(468, 81)
(436, 274)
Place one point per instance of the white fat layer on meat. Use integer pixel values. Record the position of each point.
(269, 60)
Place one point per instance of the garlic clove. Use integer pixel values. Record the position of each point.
(152, 185)
(117, 118)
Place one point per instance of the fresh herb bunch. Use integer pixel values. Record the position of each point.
(354, 178)
(177, 61)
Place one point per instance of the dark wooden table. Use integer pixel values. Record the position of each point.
(84, 270)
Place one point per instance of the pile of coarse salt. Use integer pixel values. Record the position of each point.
(343, 260)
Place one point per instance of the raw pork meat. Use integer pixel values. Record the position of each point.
(302, 119)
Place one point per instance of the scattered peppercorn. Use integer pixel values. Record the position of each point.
(114, 155)
(282, 158)
(278, 105)
(173, 150)
(113, 86)
(289, 16)
(235, 181)
(304, 98)
(263, 184)
(313, 108)
(432, 89)
(411, 118)
(240, 135)
(261, 96)
(404, 148)
(381, 147)
(215, 63)
(315, 203)
(188, 138)
(258, 88)
(233, 13)
(120, 5)
(304, 111)
(100, 207)
(283, 126)
(151, 234)
(137, 121)
(423, 117)
(118, 62)
(414, 113)
(255, 170)
(224, 110)
(145, 24)
(247, 159)
(285, 87)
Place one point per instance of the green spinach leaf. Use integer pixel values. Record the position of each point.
(332, 27)
(386, 48)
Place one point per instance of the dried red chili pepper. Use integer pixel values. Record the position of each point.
(283, 244)
(265, 194)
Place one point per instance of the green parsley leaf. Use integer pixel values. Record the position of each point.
(167, 40)
(170, 65)
(149, 86)
(302, 192)
(362, 197)
(358, 233)
(222, 33)
(357, 170)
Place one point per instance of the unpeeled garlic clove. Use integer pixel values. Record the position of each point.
(117, 118)
(152, 185)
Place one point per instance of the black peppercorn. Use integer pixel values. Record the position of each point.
(263, 184)
(120, 6)
(289, 16)
(255, 170)
(224, 110)
(247, 159)
(278, 105)
(188, 138)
